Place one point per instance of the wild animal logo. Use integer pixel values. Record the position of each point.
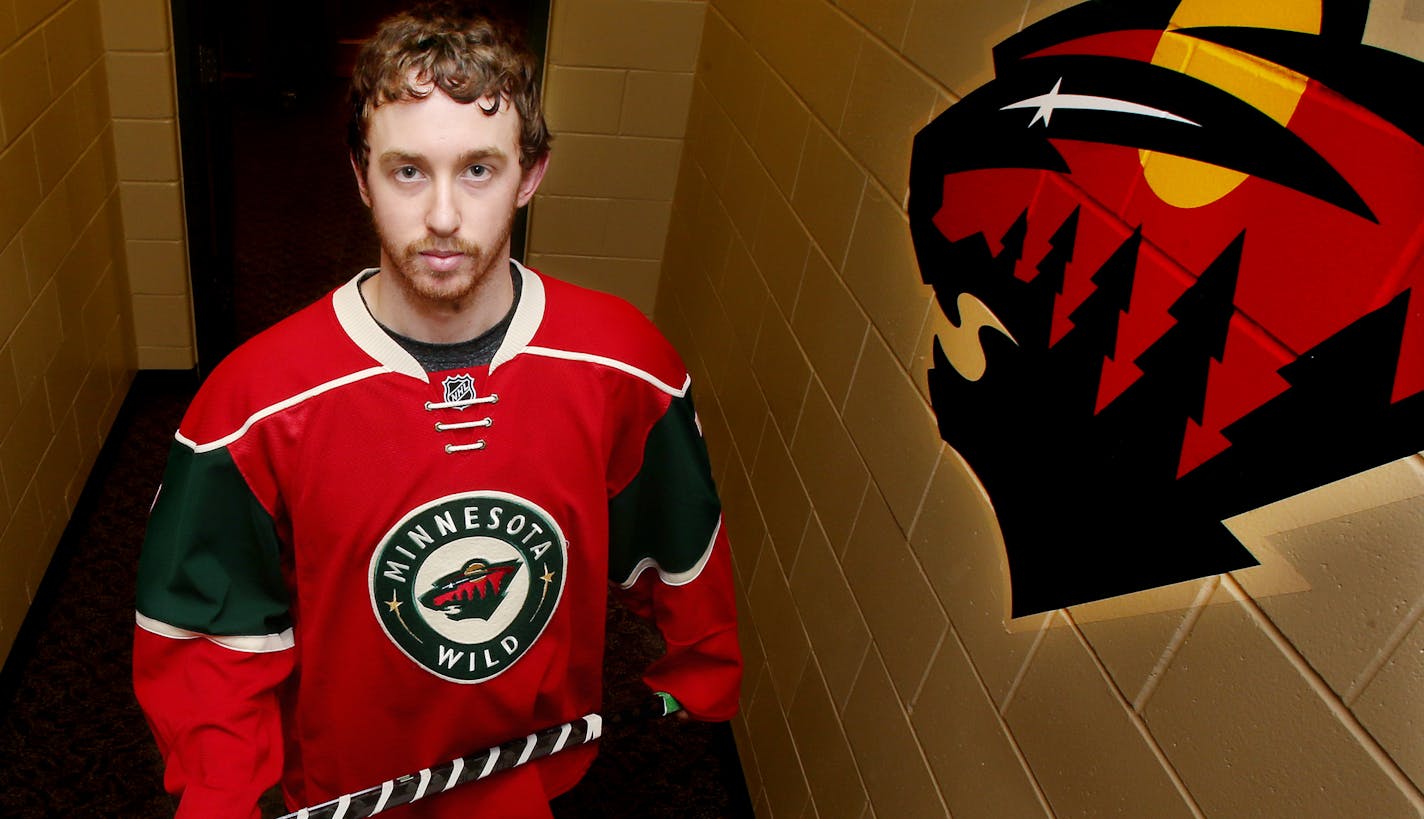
(1179, 243)
(464, 585)
(475, 590)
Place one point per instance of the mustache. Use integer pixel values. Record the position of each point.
(431, 244)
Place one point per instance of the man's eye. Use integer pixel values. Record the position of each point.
(479, 171)
(407, 172)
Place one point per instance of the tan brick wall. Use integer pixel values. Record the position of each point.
(617, 90)
(882, 677)
(137, 36)
(66, 348)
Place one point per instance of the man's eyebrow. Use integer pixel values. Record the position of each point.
(392, 157)
(396, 156)
(478, 154)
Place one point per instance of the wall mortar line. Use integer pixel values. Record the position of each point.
(1027, 660)
(1327, 695)
(1169, 653)
(1385, 653)
(1003, 724)
(1138, 722)
(929, 666)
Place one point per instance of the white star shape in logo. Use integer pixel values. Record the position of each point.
(1054, 100)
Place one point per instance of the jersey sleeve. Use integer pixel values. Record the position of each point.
(214, 635)
(668, 553)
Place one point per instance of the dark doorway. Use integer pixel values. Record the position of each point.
(274, 219)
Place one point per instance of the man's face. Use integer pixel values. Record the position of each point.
(443, 182)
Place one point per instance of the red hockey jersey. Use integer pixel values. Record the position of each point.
(355, 569)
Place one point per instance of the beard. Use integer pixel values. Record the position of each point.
(451, 288)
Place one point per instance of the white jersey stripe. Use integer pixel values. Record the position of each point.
(278, 407)
(675, 578)
(342, 806)
(424, 783)
(570, 355)
(246, 643)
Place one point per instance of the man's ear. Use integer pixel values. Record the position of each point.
(532, 176)
(360, 179)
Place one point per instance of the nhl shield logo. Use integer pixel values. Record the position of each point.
(459, 388)
(465, 585)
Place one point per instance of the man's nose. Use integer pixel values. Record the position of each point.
(443, 217)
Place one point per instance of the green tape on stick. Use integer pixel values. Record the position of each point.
(670, 704)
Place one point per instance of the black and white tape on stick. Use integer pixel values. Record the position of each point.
(431, 782)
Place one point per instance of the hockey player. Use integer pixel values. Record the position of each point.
(389, 524)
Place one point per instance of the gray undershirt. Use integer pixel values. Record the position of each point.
(475, 352)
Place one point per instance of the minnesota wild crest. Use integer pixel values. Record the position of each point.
(465, 584)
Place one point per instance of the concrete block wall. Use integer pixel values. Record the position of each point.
(882, 676)
(66, 348)
(143, 102)
(618, 84)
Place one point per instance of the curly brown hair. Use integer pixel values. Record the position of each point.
(464, 51)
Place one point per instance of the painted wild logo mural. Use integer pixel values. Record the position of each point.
(1181, 243)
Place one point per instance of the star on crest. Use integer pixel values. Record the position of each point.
(394, 604)
(547, 577)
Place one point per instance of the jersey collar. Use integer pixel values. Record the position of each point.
(361, 327)
(528, 315)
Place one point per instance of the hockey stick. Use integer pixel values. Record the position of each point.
(481, 764)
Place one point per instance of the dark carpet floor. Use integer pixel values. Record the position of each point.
(73, 742)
